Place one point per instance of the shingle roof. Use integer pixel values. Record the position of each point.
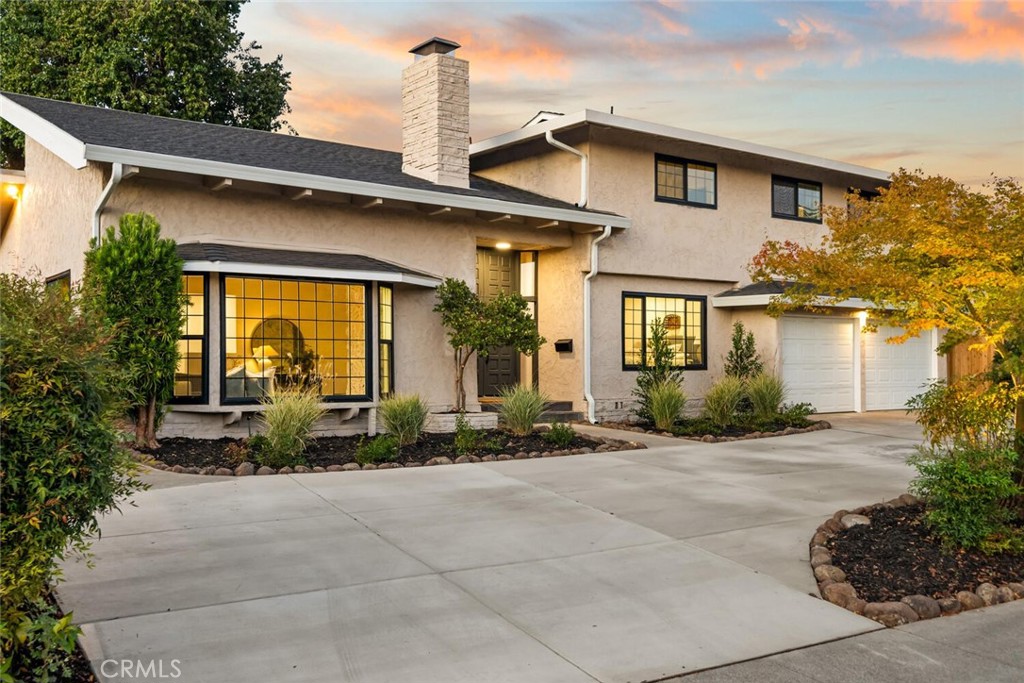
(758, 288)
(258, 149)
(205, 251)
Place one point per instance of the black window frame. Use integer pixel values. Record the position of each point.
(204, 397)
(795, 184)
(684, 162)
(368, 305)
(626, 367)
(382, 342)
(61, 280)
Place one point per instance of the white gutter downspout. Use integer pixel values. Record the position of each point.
(583, 165)
(587, 335)
(116, 174)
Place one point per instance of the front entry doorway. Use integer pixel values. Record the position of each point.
(497, 272)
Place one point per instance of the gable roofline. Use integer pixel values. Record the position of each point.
(598, 118)
(77, 154)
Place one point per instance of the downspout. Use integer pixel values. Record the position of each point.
(583, 165)
(117, 172)
(587, 335)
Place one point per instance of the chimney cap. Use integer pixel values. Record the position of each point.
(435, 45)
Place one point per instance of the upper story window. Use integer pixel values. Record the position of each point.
(686, 182)
(796, 199)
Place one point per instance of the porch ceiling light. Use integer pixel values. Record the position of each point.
(12, 191)
(502, 246)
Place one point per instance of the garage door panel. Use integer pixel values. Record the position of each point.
(817, 362)
(894, 372)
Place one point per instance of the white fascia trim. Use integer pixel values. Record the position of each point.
(235, 268)
(765, 299)
(314, 182)
(67, 147)
(661, 130)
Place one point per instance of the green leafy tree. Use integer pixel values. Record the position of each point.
(476, 327)
(743, 361)
(137, 277)
(927, 253)
(182, 59)
(657, 367)
(60, 465)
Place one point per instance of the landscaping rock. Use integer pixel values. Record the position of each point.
(890, 614)
(1004, 594)
(949, 606)
(850, 520)
(707, 438)
(302, 469)
(286, 470)
(266, 470)
(790, 430)
(462, 459)
(178, 469)
(926, 607)
(506, 456)
(245, 469)
(347, 467)
(439, 460)
(474, 458)
(413, 463)
(534, 454)
(584, 450)
(603, 448)
(820, 556)
(908, 499)
(831, 526)
(1017, 588)
(839, 594)
(389, 466)
(369, 466)
(319, 470)
(969, 600)
(208, 470)
(988, 593)
(819, 538)
(828, 572)
(488, 458)
(519, 456)
(856, 605)
(550, 454)
(223, 472)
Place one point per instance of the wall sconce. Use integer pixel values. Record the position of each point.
(13, 191)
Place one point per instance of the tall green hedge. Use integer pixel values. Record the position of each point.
(60, 465)
(137, 277)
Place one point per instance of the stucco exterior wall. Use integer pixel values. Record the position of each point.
(560, 316)
(50, 227)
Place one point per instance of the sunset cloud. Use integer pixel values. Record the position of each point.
(968, 31)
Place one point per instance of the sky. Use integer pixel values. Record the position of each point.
(893, 83)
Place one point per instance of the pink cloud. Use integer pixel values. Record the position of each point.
(667, 16)
(968, 31)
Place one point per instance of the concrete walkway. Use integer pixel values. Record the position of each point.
(628, 566)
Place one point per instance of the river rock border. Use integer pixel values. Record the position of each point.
(710, 438)
(832, 584)
(605, 445)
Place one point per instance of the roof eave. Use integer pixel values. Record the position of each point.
(762, 300)
(266, 269)
(316, 182)
(589, 116)
(62, 144)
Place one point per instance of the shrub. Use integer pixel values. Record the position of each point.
(965, 492)
(287, 419)
(60, 462)
(560, 435)
(136, 277)
(743, 361)
(403, 416)
(722, 401)
(467, 439)
(656, 366)
(766, 393)
(666, 401)
(381, 448)
(520, 408)
(969, 414)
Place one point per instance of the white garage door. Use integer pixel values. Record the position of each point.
(817, 362)
(894, 372)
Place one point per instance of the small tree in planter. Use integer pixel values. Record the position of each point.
(476, 326)
(743, 360)
(137, 279)
(656, 368)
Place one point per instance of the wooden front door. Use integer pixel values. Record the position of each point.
(497, 272)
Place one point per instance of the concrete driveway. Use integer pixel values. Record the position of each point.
(628, 566)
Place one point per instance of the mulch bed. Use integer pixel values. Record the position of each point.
(895, 556)
(341, 450)
(699, 429)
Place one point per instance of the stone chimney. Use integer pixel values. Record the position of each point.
(435, 114)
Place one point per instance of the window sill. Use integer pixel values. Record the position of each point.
(683, 202)
(786, 217)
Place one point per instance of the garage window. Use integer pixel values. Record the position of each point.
(684, 317)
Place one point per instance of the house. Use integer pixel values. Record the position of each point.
(306, 257)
